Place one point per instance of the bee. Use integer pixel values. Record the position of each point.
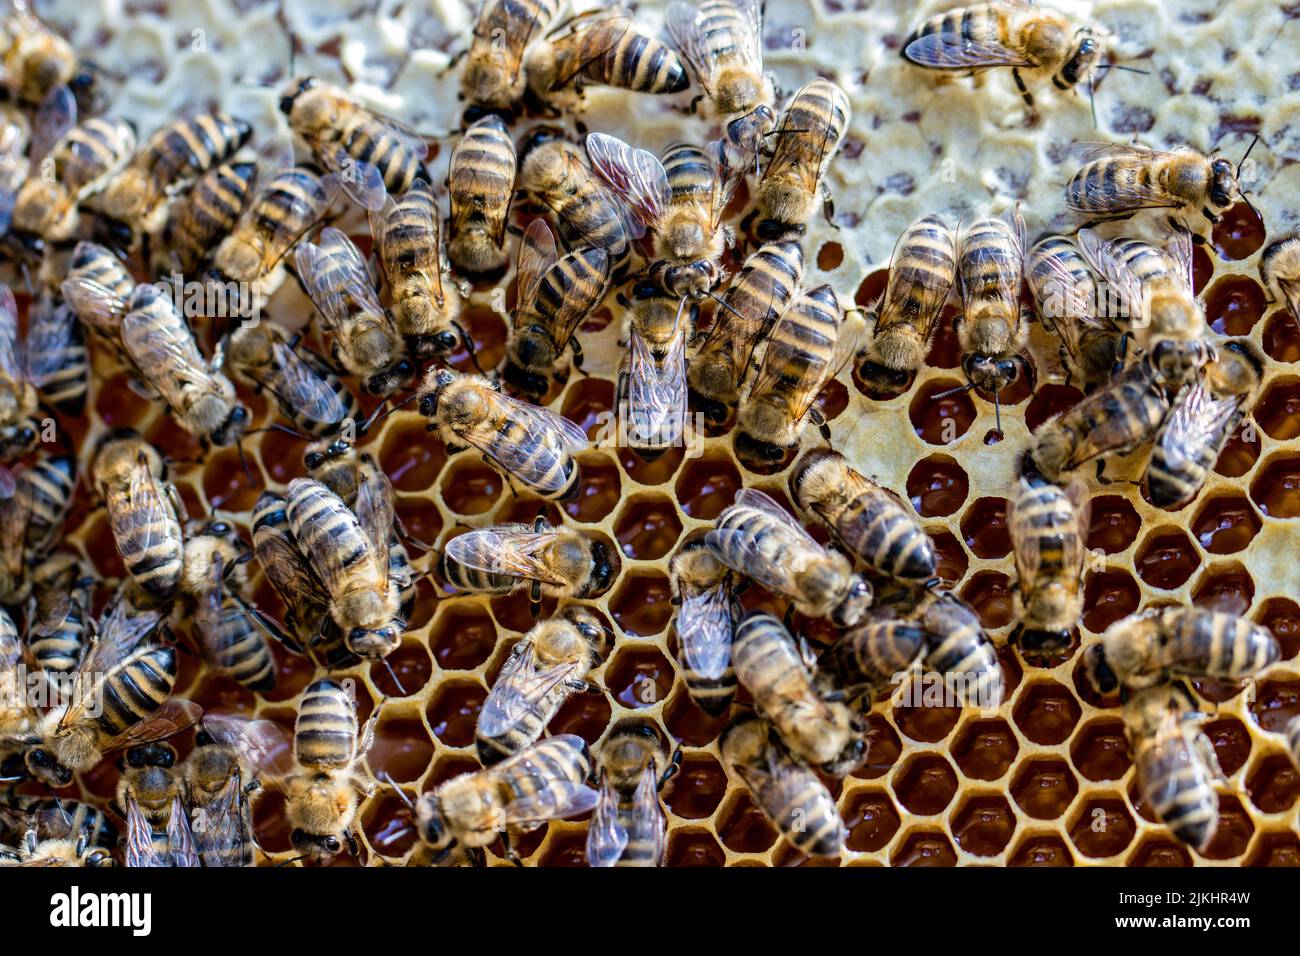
(556, 562)
(425, 299)
(1199, 424)
(808, 346)
(603, 46)
(554, 174)
(307, 391)
(493, 77)
(867, 519)
(322, 790)
(364, 339)
(162, 348)
(1117, 179)
(652, 375)
(1113, 420)
(820, 731)
(757, 296)
(58, 364)
(958, 648)
(31, 520)
(56, 852)
(722, 40)
(1048, 537)
(1176, 763)
(546, 781)
(231, 757)
(1149, 648)
(16, 717)
(811, 130)
(922, 271)
(14, 166)
(1009, 34)
(704, 591)
(60, 612)
(374, 495)
(206, 213)
(144, 511)
(150, 795)
(1155, 287)
(54, 818)
(98, 287)
(135, 199)
(1067, 299)
(481, 184)
(19, 402)
(370, 152)
(527, 443)
(789, 794)
(545, 668)
(350, 555)
(758, 538)
(870, 657)
(556, 293)
(629, 827)
(228, 635)
(1279, 268)
(34, 60)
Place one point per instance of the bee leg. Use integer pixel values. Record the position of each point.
(1213, 217)
(674, 765)
(353, 847)
(1101, 472)
(576, 347)
(511, 854)
(535, 600)
(828, 206)
(818, 419)
(1024, 91)
(788, 618)
(470, 350)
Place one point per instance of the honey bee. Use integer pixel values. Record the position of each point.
(556, 562)
(206, 213)
(759, 539)
(1149, 648)
(1048, 542)
(1118, 179)
(870, 657)
(58, 364)
(788, 793)
(602, 46)
(150, 795)
(56, 852)
(53, 818)
(652, 375)
(144, 511)
(370, 152)
(870, 521)
(1067, 296)
(527, 443)
(364, 339)
(811, 130)
(14, 142)
(547, 666)
(1009, 34)
(31, 520)
(629, 827)
(306, 389)
(922, 271)
(98, 287)
(481, 183)
(19, 427)
(555, 295)
(350, 555)
(703, 589)
(16, 717)
(1279, 267)
(1113, 420)
(555, 175)
(374, 496)
(34, 60)
(722, 40)
(135, 199)
(547, 781)
(808, 346)
(1176, 763)
(959, 649)
(425, 299)
(1199, 424)
(322, 790)
(493, 77)
(59, 612)
(767, 283)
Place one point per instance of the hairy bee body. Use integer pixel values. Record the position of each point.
(31, 520)
(629, 827)
(217, 782)
(322, 792)
(151, 794)
(143, 513)
(54, 818)
(78, 164)
(959, 649)
(204, 215)
(723, 42)
(57, 360)
(1126, 178)
(1048, 542)
(1279, 268)
(284, 207)
(15, 716)
(493, 77)
(703, 587)
(604, 47)
(481, 183)
(57, 647)
(98, 287)
(35, 60)
(871, 656)
(991, 328)
(1067, 297)
(555, 174)
(556, 561)
(811, 130)
(641, 64)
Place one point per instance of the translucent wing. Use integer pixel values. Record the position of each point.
(11, 359)
(495, 190)
(220, 825)
(533, 458)
(519, 689)
(635, 175)
(336, 278)
(297, 385)
(656, 391)
(1196, 421)
(168, 720)
(1028, 547)
(686, 29)
(943, 51)
(537, 253)
(504, 551)
(796, 372)
(749, 35)
(180, 840)
(607, 838)
(141, 512)
(95, 304)
(266, 746)
(560, 799)
(51, 332)
(168, 358)
(139, 850)
(54, 117)
(753, 498)
(291, 577)
(704, 627)
(1088, 150)
(361, 181)
(13, 170)
(1102, 257)
(374, 510)
(505, 29)
(1178, 247)
(119, 632)
(590, 36)
(1130, 192)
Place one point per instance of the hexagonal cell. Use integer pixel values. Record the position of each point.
(1103, 827)
(471, 486)
(883, 748)
(985, 749)
(1043, 787)
(1239, 453)
(586, 715)
(1226, 524)
(1273, 784)
(408, 670)
(707, 485)
(523, 844)
(1282, 617)
(1044, 849)
(1012, 672)
(567, 849)
(871, 288)
(697, 788)
(463, 636)
(983, 825)
(421, 522)
(951, 558)
(639, 676)
(1278, 410)
(694, 847)
(787, 855)
(939, 421)
(269, 822)
(984, 528)
(642, 603)
(453, 711)
(1108, 596)
(1224, 587)
(1113, 523)
(1048, 402)
(937, 486)
(1046, 712)
(945, 347)
(872, 820)
(924, 848)
(386, 822)
(689, 724)
(1276, 702)
(832, 400)
(1282, 337)
(1234, 831)
(920, 721)
(588, 402)
(410, 456)
(1275, 849)
(1239, 232)
(1100, 749)
(225, 486)
(599, 490)
(743, 828)
(1231, 743)
(647, 527)
(1160, 851)
(1233, 304)
(925, 784)
(1167, 558)
(989, 594)
(1276, 488)
(657, 472)
(401, 748)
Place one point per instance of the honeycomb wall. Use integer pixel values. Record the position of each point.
(1044, 779)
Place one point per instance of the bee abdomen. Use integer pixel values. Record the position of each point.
(1104, 185)
(398, 160)
(811, 821)
(322, 523)
(60, 652)
(762, 653)
(645, 837)
(136, 688)
(563, 759)
(887, 538)
(690, 172)
(873, 654)
(641, 64)
(325, 733)
(483, 164)
(51, 482)
(495, 749)
(289, 203)
(241, 650)
(713, 695)
(1180, 791)
(1224, 645)
(189, 147)
(154, 556)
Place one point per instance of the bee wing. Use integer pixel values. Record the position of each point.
(361, 181)
(506, 30)
(517, 691)
(943, 51)
(11, 357)
(559, 799)
(537, 253)
(54, 117)
(209, 611)
(375, 512)
(533, 457)
(219, 825)
(1074, 306)
(656, 390)
(635, 175)
(1178, 247)
(1197, 420)
(1122, 194)
(95, 304)
(725, 542)
(749, 39)
(1101, 256)
(704, 628)
(753, 498)
(327, 294)
(169, 353)
(607, 838)
(139, 850)
(420, 207)
(171, 718)
(1088, 150)
(264, 744)
(499, 551)
(51, 331)
(180, 839)
(297, 385)
(682, 20)
(291, 576)
(590, 36)
(13, 171)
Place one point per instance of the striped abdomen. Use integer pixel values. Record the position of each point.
(559, 481)
(1215, 644)
(189, 147)
(802, 348)
(534, 771)
(48, 487)
(89, 151)
(690, 174)
(11, 645)
(1116, 418)
(398, 158)
(768, 665)
(57, 359)
(407, 240)
(1061, 303)
(1176, 474)
(326, 531)
(980, 24)
(481, 177)
(399, 569)
(713, 695)
(566, 294)
(464, 578)
(1114, 185)
(885, 535)
(325, 733)
(152, 552)
(208, 212)
(646, 833)
(1179, 787)
(134, 689)
(495, 749)
(324, 419)
(989, 262)
(920, 276)
(237, 648)
(723, 30)
(58, 819)
(957, 645)
(871, 655)
(58, 649)
(588, 215)
(641, 64)
(285, 208)
(1044, 522)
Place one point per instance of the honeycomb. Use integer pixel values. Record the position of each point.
(1043, 779)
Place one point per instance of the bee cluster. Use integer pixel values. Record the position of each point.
(318, 605)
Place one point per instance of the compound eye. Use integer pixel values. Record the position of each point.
(314, 460)
(332, 845)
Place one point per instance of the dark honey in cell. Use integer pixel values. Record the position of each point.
(985, 749)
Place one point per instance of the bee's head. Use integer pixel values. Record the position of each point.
(230, 431)
(45, 767)
(434, 384)
(373, 644)
(430, 823)
(855, 604)
(1085, 53)
(990, 373)
(316, 845)
(155, 754)
(1224, 188)
(1098, 670)
(303, 85)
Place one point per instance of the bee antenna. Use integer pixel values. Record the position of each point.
(296, 859)
(954, 391)
(375, 417)
(1245, 197)
(388, 779)
(243, 461)
(1092, 98)
(1246, 154)
(997, 412)
(714, 296)
(393, 674)
(279, 427)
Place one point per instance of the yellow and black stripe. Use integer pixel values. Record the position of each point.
(325, 733)
(533, 772)
(641, 64)
(187, 148)
(870, 656)
(135, 688)
(208, 212)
